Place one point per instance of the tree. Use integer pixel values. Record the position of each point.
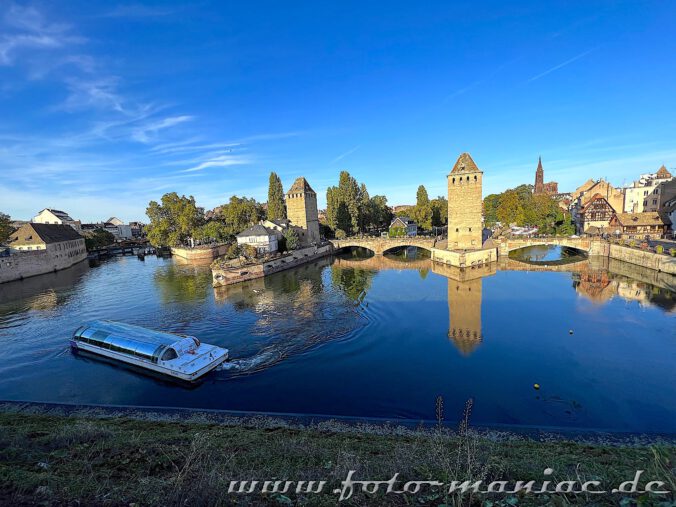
(239, 214)
(422, 213)
(332, 203)
(349, 207)
(276, 207)
(491, 208)
(6, 228)
(439, 211)
(173, 221)
(364, 202)
(292, 240)
(98, 238)
(213, 230)
(348, 190)
(510, 209)
(381, 214)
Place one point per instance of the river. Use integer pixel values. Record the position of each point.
(369, 337)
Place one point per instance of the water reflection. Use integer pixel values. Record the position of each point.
(34, 288)
(464, 303)
(378, 336)
(183, 282)
(597, 279)
(547, 254)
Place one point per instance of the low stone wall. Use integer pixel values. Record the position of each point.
(463, 259)
(27, 264)
(296, 258)
(199, 254)
(658, 262)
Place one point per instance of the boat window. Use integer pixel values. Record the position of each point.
(169, 354)
(143, 355)
(98, 337)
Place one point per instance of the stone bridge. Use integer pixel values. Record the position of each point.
(591, 246)
(381, 245)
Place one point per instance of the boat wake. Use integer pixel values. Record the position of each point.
(258, 362)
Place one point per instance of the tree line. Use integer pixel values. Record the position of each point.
(428, 213)
(351, 210)
(521, 207)
(176, 220)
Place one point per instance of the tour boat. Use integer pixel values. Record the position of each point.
(180, 356)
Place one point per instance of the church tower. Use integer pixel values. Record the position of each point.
(465, 205)
(301, 210)
(539, 178)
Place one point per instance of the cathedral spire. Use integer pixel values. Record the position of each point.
(539, 178)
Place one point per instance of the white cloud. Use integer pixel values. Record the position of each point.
(145, 133)
(220, 161)
(27, 29)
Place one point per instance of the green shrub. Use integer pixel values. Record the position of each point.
(340, 234)
(397, 232)
(672, 251)
(233, 251)
(292, 241)
(632, 243)
(659, 249)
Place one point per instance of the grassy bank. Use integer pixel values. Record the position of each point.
(91, 458)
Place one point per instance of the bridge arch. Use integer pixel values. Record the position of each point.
(509, 245)
(428, 248)
(344, 246)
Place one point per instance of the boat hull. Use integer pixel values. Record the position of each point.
(148, 365)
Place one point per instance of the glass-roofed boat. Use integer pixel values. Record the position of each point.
(179, 356)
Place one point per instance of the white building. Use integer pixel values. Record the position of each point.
(409, 226)
(114, 221)
(646, 193)
(57, 239)
(55, 216)
(120, 231)
(264, 240)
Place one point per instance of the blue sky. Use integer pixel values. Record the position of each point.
(104, 105)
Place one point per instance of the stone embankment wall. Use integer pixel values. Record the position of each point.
(199, 254)
(658, 262)
(33, 263)
(229, 276)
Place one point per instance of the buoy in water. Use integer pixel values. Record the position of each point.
(536, 386)
(570, 331)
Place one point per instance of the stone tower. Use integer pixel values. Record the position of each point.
(539, 178)
(301, 210)
(464, 205)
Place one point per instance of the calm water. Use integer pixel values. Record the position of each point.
(375, 337)
(548, 253)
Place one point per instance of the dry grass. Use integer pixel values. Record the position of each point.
(145, 459)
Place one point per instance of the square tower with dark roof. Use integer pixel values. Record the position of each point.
(465, 205)
(301, 210)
